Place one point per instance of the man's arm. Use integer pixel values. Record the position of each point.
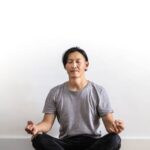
(44, 126)
(112, 125)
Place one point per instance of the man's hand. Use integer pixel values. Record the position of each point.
(42, 127)
(31, 128)
(117, 126)
(112, 125)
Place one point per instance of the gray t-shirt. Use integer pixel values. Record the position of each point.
(78, 112)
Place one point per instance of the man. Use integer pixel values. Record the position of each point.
(79, 105)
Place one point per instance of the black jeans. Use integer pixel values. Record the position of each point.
(110, 141)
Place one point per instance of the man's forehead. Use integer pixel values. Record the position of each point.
(75, 56)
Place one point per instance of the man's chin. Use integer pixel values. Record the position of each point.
(74, 77)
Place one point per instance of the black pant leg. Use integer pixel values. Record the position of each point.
(47, 142)
(79, 142)
(110, 141)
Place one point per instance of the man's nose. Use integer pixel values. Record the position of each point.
(74, 64)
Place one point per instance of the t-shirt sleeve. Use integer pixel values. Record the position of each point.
(104, 105)
(50, 106)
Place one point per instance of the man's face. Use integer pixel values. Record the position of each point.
(76, 65)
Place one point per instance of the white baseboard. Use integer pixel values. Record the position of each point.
(25, 144)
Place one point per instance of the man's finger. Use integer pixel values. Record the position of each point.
(115, 127)
(30, 122)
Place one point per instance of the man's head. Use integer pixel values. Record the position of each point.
(72, 50)
(75, 61)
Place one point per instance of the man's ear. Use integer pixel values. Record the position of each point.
(87, 65)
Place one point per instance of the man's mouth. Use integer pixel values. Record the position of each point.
(74, 71)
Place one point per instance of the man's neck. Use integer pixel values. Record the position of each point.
(77, 84)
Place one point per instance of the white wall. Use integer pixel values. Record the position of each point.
(33, 36)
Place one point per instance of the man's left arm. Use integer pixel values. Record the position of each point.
(112, 125)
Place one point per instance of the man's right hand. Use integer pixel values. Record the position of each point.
(31, 128)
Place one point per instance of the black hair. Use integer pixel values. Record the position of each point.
(71, 50)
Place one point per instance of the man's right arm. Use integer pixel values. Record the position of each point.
(44, 126)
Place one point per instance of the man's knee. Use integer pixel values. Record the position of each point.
(39, 140)
(36, 140)
(115, 140)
